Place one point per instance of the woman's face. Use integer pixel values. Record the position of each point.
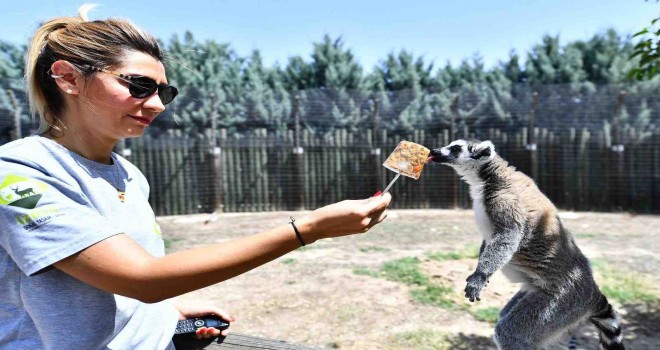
(114, 113)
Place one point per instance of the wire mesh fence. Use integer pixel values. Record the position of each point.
(588, 147)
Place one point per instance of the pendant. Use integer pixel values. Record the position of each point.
(121, 195)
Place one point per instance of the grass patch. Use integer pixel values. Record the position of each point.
(373, 249)
(433, 294)
(488, 314)
(406, 271)
(366, 272)
(424, 339)
(625, 287)
(469, 252)
(289, 261)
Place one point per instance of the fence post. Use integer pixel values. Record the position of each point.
(618, 156)
(214, 151)
(16, 133)
(375, 147)
(655, 171)
(298, 172)
(454, 180)
(531, 139)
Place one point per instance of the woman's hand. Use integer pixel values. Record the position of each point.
(199, 309)
(344, 218)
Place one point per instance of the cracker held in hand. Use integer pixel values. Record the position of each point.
(408, 158)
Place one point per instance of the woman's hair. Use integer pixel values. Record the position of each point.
(100, 43)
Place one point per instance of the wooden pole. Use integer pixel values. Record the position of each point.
(618, 149)
(298, 172)
(215, 152)
(452, 136)
(378, 174)
(531, 139)
(454, 115)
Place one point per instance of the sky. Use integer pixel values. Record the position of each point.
(441, 31)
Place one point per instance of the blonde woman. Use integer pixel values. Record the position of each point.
(82, 262)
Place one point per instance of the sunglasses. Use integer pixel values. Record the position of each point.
(143, 87)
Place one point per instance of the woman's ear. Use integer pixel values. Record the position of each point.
(67, 77)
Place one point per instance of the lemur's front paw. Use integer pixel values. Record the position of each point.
(475, 283)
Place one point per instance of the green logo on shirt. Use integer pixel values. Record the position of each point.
(23, 192)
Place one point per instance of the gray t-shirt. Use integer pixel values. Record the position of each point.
(54, 203)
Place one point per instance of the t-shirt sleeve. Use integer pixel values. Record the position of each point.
(44, 218)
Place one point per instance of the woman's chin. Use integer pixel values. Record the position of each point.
(134, 131)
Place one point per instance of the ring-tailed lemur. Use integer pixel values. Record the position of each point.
(523, 236)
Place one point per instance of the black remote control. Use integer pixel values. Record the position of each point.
(191, 325)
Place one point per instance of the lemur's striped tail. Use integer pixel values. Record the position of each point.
(609, 327)
(572, 344)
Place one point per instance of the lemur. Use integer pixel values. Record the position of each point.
(524, 236)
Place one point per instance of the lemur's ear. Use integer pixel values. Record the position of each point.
(484, 149)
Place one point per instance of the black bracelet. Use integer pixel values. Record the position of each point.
(295, 229)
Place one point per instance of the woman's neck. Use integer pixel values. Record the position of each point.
(84, 145)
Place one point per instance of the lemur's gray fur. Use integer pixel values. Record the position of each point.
(525, 238)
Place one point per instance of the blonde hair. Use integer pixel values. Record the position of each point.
(99, 43)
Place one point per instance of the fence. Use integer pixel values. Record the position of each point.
(263, 171)
(588, 147)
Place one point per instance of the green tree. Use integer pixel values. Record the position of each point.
(12, 68)
(330, 87)
(648, 52)
(548, 63)
(209, 79)
(268, 104)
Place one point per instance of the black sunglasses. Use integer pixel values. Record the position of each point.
(143, 87)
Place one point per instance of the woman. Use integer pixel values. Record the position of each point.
(82, 263)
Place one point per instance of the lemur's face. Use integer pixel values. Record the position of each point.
(464, 155)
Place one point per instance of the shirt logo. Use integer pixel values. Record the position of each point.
(22, 192)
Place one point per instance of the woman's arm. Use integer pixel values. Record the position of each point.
(120, 266)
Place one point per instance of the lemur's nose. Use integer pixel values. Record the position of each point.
(435, 155)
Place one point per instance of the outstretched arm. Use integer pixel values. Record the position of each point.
(120, 266)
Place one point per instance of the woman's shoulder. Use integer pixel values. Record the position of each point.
(25, 149)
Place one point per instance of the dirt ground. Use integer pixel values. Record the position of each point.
(313, 295)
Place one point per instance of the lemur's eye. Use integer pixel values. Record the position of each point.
(455, 148)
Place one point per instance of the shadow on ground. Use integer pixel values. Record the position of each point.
(641, 324)
(463, 341)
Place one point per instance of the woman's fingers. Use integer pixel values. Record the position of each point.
(376, 218)
(378, 204)
(224, 315)
(205, 333)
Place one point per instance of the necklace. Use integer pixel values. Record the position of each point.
(117, 180)
(91, 165)
(117, 183)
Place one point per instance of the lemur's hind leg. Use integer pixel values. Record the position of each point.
(521, 293)
(535, 318)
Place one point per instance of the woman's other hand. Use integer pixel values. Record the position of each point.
(200, 309)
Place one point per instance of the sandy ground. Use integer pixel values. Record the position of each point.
(313, 296)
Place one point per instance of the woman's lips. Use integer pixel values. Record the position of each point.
(142, 120)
